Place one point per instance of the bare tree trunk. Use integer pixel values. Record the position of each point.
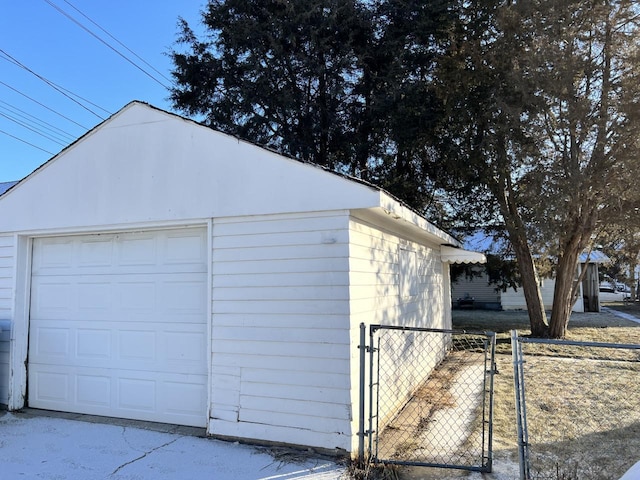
(576, 240)
(563, 294)
(530, 285)
(518, 239)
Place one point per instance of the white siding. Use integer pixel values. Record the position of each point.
(7, 253)
(477, 287)
(396, 281)
(514, 300)
(280, 329)
(385, 289)
(143, 165)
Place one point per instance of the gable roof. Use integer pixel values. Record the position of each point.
(144, 164)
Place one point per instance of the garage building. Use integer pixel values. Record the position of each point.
(159, 270)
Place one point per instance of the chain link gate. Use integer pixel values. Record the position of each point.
(577, 408)
(429, 397)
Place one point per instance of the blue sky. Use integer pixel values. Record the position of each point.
(45, 41)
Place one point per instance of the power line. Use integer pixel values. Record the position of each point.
(32, 125)
(61, 11)
(84, 99)
(33, 119)
(28, 143)
(43, 105)
(119, 42)
(33, 129)
(13, 60)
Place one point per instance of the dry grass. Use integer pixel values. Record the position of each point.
(583, 415)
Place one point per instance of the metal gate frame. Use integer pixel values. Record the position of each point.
(524, 446)
(370, 396)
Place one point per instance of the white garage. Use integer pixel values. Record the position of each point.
(118, 325)
(159, 270)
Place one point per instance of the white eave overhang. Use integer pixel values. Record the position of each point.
(458, 255)
(399, 217)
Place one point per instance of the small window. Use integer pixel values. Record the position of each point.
(409, 279)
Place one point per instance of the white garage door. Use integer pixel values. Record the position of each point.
(118, 325)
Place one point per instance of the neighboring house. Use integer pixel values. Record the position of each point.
(4, 186)
(159, 270)
(486, 295)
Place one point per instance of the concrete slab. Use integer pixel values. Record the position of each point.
(626, 316)
(61, 447)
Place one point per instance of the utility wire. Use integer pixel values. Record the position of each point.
(43, 105)
(119, 42)
(13, 60)
(34, 130)
(35, 120)
(33, 126)
(84, 99)
(28, 143)
(61, 11)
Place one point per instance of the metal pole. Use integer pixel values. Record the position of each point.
(493, 369)
(361, 432)
(373, 456)
(516, 381)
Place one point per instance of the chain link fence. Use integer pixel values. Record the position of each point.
(431, 397)
(578, 408)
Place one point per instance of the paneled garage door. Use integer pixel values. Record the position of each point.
(118, 325)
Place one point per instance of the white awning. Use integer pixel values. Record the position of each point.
(459, 255)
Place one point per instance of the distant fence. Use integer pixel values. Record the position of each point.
(430, 397)
(578, 408)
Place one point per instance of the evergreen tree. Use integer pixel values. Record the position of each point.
(542, 104)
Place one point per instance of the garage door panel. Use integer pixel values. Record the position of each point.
(52, 254)
(118, 325)
(137, 251)
(140, 296)
(137, 347)
(47, 387)
(93, 344)
(51, 342)
(96, 295)
(185, 249)
(97, 252)
(137, 394)
(93, 390)
(158, 296)
(182, 397)
(162, 251)
(171, 398)
(52, 299)
(182, 296)
(185, 347)
(169, 347)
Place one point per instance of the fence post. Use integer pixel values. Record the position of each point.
(361, 411)
(518, 381)
(493, 368)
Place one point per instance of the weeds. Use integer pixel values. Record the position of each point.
(366, 470)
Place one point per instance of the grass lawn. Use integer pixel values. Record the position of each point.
(583, 404)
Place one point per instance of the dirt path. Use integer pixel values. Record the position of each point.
(437, 424)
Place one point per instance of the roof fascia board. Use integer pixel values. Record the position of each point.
(401, 213)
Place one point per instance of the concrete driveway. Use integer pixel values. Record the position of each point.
(44, 447)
